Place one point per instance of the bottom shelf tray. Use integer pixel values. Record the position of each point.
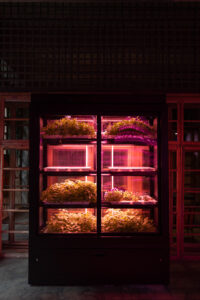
(85, 204)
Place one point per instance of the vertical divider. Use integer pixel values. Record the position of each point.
(98, 174)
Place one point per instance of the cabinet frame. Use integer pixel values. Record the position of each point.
(57, 244)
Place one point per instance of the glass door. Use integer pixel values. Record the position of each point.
(129, 199)
(68, 174)
(98, 175)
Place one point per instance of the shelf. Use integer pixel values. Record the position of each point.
(58, 139)
(127, 171)
(68, 173)
(131, 204)
(67, 169)
(124, 141)
(149, 204)
(69, 205)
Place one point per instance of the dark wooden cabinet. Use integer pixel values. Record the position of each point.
(98, 189)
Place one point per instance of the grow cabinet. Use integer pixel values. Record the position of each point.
(98, 190)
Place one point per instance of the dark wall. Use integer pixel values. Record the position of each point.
(100, 46)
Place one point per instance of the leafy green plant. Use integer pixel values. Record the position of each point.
(132, 126)
(70, 191)
(117, 220)
(115, 195)
(69, 126)
(69, 222)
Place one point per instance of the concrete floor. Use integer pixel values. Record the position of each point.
(184, 285)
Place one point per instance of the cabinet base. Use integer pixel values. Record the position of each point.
(96, 266)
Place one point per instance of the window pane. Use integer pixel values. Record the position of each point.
(15, 221)
(192, 180)
(15, 179)
(16, 130)
(194, 239)
(16, 110)
(192, 160)
(172, 112)
(192, 132)
(16, 158)
(192, 199)
(191, 112)
(172, 131)
(172, 160)
(15, 199)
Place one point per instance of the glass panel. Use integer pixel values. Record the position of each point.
(69, 126)
(129, 174)
(15, 221)
(173, 247)
(172, 160)
(190, 221)
(191, 112)
(5, 227)
(129, 188)
(138, 130)
(174, 201)
(191, 199)
(128, 221)
(128, 158)
(193, 248)
(15, 179)
(15, 199)
(16, 110)
(172, 131)
(67, 189)
(192, 132)
(70, 221)
(68, 174)
(193, 239)
(71, 157)
(172, 112)
(192, 160)
(192, 180)
(16, 130)
(16, 158)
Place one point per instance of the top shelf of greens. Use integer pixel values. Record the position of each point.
(71, 130)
